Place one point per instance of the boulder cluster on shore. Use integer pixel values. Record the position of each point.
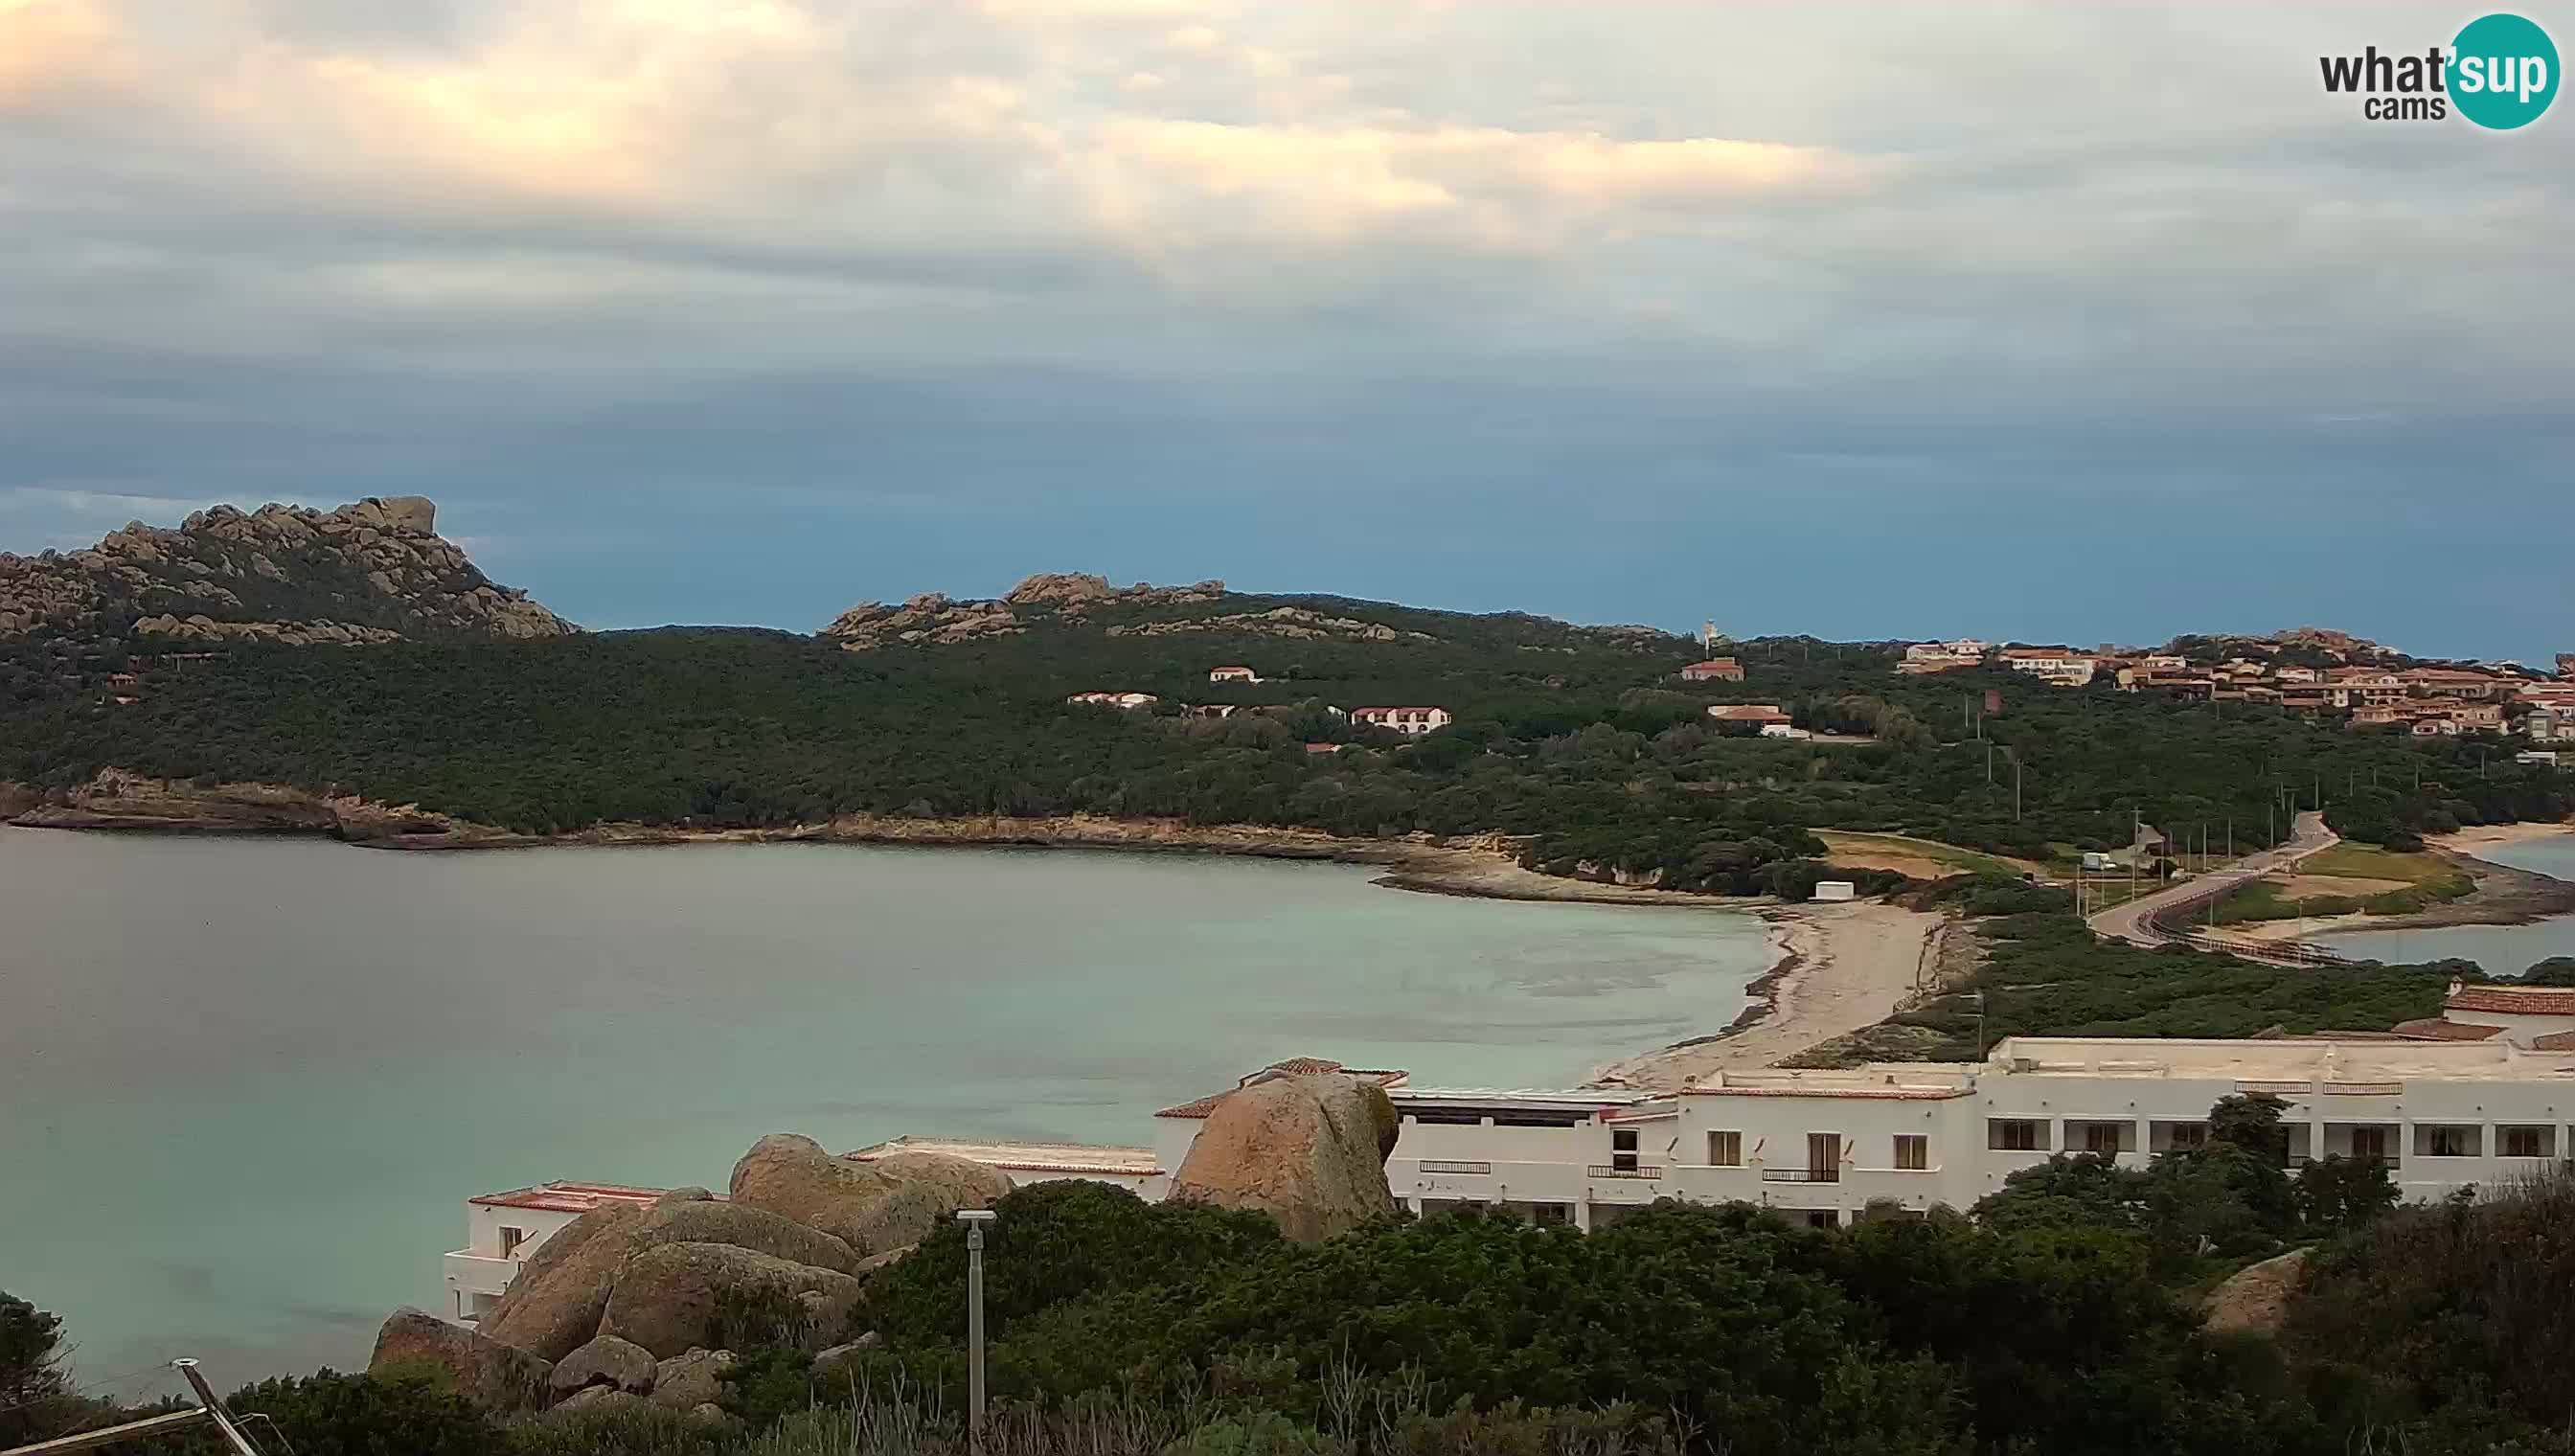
(634, 1305)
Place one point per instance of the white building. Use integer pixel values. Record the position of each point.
(2480, 1096)
(503, 1229)
(1233, 674)
(2051, 665)
(1404, 720)
(1828, 1144)
(1134, 1169)
(1125, 700)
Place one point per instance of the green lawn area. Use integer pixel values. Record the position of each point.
(2368, 861)
(2430, 879)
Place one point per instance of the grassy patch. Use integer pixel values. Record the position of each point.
(2428, 880)
(2045, 976)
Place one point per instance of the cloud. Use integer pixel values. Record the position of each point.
(261, 246)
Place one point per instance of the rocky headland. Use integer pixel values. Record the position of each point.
(371, 572)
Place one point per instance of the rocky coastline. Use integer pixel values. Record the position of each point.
(1482, 866)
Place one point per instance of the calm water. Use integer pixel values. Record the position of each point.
(2501, 950)
(246, 1084)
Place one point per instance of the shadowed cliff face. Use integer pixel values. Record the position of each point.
(374, 570)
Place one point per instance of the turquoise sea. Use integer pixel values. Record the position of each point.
(247, 1084)
(2501, 950)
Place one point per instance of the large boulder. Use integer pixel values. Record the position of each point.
(493, 1375)
(2255, 1298)
(1308, 1150)
(667, 1298)
(867, 1205)
(554, 1304)
(598, 1399)
(691, 1379)
(968, 1183)
(743, 1227)
(607, 1362)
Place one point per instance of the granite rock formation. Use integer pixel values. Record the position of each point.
(1309, 1151)
(372, 571)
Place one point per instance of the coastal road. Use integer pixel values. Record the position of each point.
(2133, 921)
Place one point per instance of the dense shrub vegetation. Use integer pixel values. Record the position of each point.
(1582, 741)
(2046, 975)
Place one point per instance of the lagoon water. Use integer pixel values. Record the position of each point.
(2501, 950)
(247, 1084)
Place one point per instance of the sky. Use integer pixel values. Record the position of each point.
(2071, 322)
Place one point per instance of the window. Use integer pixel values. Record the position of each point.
(2101, 1137)
(1823, 1157)
(1912, 1151)
(1553, 1216)
(2522, 1142)
(511, 1238)
(2449, 1142)
(2013, 1134)
(2369, 1142)
(1823, 1218)
(1726, 1149)
(1623, 1149)
(2190, 1135)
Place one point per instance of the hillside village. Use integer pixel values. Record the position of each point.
(2309, 672)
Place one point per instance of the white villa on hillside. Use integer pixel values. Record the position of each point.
(1402, 720)
(2478, 1096)
(503, 1229)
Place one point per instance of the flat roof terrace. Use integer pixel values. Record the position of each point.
(1024, 1157)
(2275, 1060)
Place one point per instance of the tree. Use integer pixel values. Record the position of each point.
(2338, 1194)
(33, 1386)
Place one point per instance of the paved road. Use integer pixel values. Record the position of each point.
(2130, 921)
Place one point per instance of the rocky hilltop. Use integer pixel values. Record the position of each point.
(936, 619)
(376, 571)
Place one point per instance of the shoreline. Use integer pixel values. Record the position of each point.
(1841, 967)
(1481, 867)
(2502, 896)
(1837, 967)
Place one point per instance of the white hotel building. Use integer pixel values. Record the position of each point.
(2479, 1097)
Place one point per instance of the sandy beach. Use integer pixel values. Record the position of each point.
(1843, 967)
(2469, 841)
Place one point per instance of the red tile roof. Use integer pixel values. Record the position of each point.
(2513, 1000)
(2438, 1028)
(2554, 1042)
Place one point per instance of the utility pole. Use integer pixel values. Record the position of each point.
(233, 1436)
(975, 1220)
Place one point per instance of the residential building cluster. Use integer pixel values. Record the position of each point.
(2475, 1097)
(1411, 722)
(2428, 701)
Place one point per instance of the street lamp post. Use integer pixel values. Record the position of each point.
(975, 1220)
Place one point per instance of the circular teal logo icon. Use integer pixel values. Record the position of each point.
(2502, 72)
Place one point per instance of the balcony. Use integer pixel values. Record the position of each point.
(1802, 1175)
(1455, 1165)
(475, 1273)
(1641, 1170)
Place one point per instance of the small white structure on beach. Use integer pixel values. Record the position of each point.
(503, 1229)
(1835, 889)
